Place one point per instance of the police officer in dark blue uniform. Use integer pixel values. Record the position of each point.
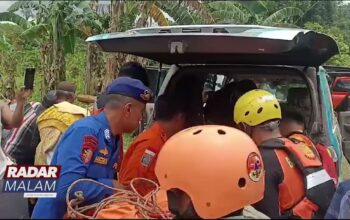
(90, 149)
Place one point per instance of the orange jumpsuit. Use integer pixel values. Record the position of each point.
(140, 159)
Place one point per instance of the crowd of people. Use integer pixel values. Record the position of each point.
(248, 156)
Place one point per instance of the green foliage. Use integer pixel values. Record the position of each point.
(182, 13)
(127, 139)
(343, 59)
(283, 15)
(228, 12)
(323, 12)
(69, 23)
(75, 69)
(36, 32)
(254, 12)
(12, 17)
(12, 33)
(342, 20)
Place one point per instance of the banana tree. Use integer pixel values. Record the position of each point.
(187, 12)
(11, 46)
(54, 27)
(95, 69)
(255, 12)
(8, 63)
(126, 15)
(95, 21)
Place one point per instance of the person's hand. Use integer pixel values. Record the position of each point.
(23, 94)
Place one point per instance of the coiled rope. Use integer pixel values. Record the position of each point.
(146, 205)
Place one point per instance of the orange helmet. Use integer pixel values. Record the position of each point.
(218, 167)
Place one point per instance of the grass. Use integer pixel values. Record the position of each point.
(127, 139)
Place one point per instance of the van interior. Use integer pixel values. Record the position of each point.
(199, 84)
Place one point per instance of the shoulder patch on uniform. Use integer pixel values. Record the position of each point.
(254, 167)
(147, 158)
(89, 146)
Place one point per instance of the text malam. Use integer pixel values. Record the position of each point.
(33, 181)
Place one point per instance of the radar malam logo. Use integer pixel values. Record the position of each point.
(32, 181)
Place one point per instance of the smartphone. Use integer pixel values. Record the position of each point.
(29, 78)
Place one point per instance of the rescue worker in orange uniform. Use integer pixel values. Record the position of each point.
(224, 188)
(140, 159)
(293, 127)
(297, 186)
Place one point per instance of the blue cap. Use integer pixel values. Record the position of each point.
(130, 87)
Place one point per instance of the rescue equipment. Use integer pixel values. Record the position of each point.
(131, 203)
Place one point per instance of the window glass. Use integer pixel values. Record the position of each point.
(342, 86)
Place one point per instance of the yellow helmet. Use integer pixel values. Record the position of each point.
(256, 107)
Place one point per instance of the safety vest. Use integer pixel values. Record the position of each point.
(326, 154)
(307, 189)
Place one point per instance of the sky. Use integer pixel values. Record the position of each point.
(4, 5)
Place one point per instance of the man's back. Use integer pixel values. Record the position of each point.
(52, 123)
(303, 188)
(277, 163)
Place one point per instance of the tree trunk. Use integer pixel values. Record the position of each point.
(95, 68)
(114, 60)
(145, 8)
(47, 75)
(145, 14)
(61, 63)
(58, 64)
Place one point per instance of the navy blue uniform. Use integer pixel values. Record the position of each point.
(86, 150)
(89, 150)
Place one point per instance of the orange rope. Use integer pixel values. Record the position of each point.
(146, 205)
